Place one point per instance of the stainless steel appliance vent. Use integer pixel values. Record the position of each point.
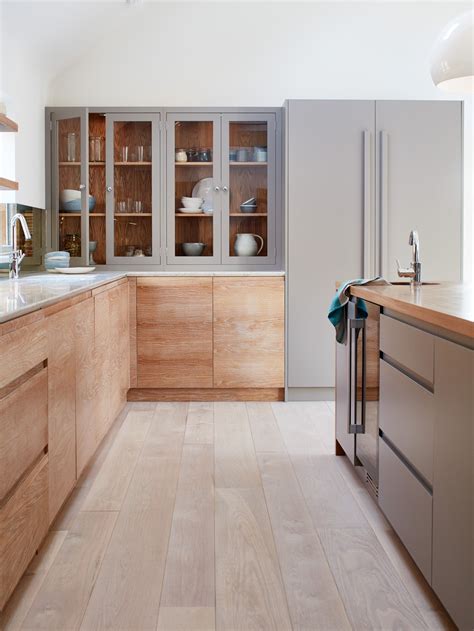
(372, 486)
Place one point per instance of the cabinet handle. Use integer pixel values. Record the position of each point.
(82, 187)
(356, 333)
(109, 189)
(225, 189)
(217, 189)
(383, 231)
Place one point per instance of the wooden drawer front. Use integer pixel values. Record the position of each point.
(407, 505)
(22, 350)
(406, 415)
(409, 346)
(174, 332)
(249, 317)
(23, 526)
(23, 429)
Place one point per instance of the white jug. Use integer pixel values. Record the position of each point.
(246, 245)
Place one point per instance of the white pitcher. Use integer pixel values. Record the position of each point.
(246, 244)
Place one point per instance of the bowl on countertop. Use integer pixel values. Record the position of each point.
(56, 259)
(193, 249)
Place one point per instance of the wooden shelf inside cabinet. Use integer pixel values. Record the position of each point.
(194, 215)
(78, 164)
(8, 185)
(133, 164)
(194, 164)
(133, 214)
(248, 164)
(248, 214)
(7, 125)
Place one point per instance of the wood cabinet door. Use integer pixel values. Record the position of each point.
(119, 348)
(249, 332)
(61, 407)
(174, 332)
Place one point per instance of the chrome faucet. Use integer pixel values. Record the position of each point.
(414, 271)
(17, 256)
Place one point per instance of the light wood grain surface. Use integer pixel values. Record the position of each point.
(448, 306)
(281, 539)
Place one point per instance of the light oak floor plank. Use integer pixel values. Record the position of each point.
(167, 431)
(200, 424)
(265, 432)
(112, 481)
(18, 606)
(313, 599)
(64, 594)
(236, 463)
(189, 576)
(186, 619)
(304, 426)
(374, 595)
(249, 589)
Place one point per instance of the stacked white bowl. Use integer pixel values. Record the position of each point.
(191, 204)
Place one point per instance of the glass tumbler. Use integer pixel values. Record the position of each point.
(71, 147)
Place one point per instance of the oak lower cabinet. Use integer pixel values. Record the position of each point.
(248, 332)
(174, 332)
(204, 336)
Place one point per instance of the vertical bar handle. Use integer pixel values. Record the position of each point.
(369, 263)
(383, 258)
(356, 331)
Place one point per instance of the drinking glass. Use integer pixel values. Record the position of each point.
(122, 207)
(124, 153)
(140, 153)
(138, 207)
(71, 147)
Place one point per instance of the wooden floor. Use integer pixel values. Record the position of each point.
(222, 516)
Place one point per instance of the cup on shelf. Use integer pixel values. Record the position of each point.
(71, 147)
(129, 250)
(242, 155)
(181, 155)
(122, 207)
(260, 154)
(137, 207)
(124, 154)
(140, 153)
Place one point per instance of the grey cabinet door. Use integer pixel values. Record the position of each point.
(249, 173)
(193, 169)
(329, 212)
(133, 188)
(453, 483)
(419, 185)
(70, 171)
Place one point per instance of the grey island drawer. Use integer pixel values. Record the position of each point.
(409, 346)
(408, 506)
(406, 416)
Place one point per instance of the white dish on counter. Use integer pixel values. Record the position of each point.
(72, 270)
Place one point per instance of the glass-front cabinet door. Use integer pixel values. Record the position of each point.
(69, 184)
(248, 188)
(132, 188)
(193, 188)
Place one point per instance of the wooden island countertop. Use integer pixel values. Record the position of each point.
(446, 305)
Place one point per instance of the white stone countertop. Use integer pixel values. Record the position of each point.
(33, 291)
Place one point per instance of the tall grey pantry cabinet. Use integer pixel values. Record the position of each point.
(359, 175)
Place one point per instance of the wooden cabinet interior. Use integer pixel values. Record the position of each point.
(97, 186)
(69, 175)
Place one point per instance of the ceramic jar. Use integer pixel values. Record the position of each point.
(246, 244)
(181, 156)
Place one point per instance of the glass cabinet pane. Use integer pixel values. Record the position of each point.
(194, 188)
(97, 189)
(133, 188)
(69, 191)
(248, 188)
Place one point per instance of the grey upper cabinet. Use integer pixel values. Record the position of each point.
(359, 176)
(132, 188)
(453, 481)
(419, 185)
(329, 155)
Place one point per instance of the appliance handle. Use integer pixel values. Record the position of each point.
(368, 269)
(383, 204)
(356, 331)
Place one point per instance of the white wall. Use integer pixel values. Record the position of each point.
(248, 53)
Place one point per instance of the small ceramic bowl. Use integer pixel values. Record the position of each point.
(193, 249)
(248, 208)
(192, 202)
(56, 259)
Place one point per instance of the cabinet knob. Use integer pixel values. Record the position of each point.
(109, 189)
(217, 189)
(225, 189)
(82, 187)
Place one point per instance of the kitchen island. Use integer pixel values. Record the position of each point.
(417, 418)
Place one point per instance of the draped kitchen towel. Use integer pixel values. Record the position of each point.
(338, 308)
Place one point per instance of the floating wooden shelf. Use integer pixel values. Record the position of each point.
(133, 214)
(78, 164)
(248, 164)
(194, 164)
(80, 214)
(7, 125)
(197, 215)
(96, 214)
(133, 164)
(8, 185)
(248, 214)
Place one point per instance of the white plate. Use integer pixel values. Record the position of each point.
(191, 211)
(73, 270)
(204, 189)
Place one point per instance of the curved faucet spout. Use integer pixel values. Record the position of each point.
(17, 256)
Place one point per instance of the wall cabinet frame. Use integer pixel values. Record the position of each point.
(165, 229)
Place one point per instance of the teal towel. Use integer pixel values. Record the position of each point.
(338, 308)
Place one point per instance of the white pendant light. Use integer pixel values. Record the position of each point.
(452, 59)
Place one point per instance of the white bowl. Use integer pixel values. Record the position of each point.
(192, 202)
(68, 195)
